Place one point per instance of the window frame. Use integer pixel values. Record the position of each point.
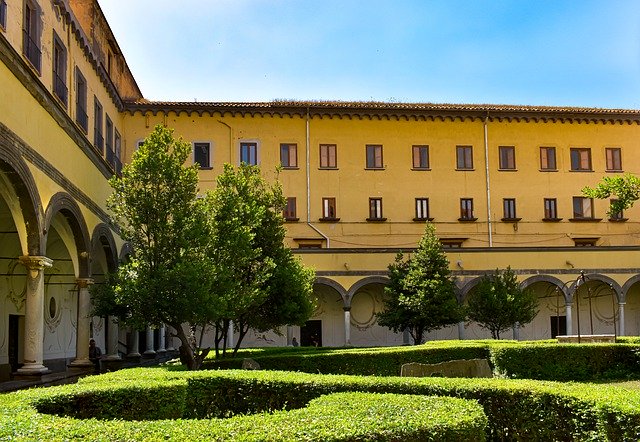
(329, 206)
(32, 34)
(422, 210)
(509, 213)
(291, 161)
(420, 152)
(577, 159)
(506, 158)
(545, 164)
(611, 160)
(251, 145)
(3, 15)
(618, 216)
(108, 138)
(98, 119)
(551, 208)
(464, 157)
(579, 202)
(326, 151)
(374, 157)
(208, 144)
(82, 118)
(289, 213)
(375, 210)
(466, 210)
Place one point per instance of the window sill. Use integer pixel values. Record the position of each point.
(614, 170)
(618, 220)
(290, 168)
(329, 220)
(327, 168)
(508, 170)
(548, 170)
(82, 128)
(421, 169)
(585, 220)
(465, 170)
(206, 168)
(291, 220)
(467, 220)
(551, 220)
(581, 170)
(510, 220)
(376, 220)
(422, 220)
(374, 168)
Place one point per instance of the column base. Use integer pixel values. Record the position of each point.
(132, 355)
(33, 370)
(111, 358)
(81, 363)
(149, 354)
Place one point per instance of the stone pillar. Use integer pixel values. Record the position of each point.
(84, 323)
(461, 330)
(230, 343)
(170, 346)
(516, 331)
(406, 337)
(621, 318)
(150, 351)
(569, 318)
(34, 315)
(347, 326)
(112, 340)
(161, 344)
(289, 335)
(134, 344)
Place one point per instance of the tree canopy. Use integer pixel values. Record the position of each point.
(498, 303)
(421, 293)
(625, 188)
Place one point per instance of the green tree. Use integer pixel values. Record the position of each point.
(168, 278)
(421, 293)
(498, 303)
(625, 188)
(270, 287)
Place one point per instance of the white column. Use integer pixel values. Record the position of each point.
(461, 330)
(34, 315)
(84, 323)
(134, 352)
(170, 346)
(621, 319)
(347, 326)
(161, 344)
(230, 335)
(112, 340)
(289, 335)
(569, 318)
(150, 351)
(516, 331)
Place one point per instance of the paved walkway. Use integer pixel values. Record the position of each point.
(47, 380)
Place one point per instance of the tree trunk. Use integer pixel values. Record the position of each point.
(186, 349)
(242, 331)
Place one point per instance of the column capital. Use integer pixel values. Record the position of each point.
(35, 262)
(83, 283)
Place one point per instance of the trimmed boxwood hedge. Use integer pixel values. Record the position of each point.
(543, 360)
(516, 409)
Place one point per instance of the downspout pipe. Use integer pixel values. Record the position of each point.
(308, 155)
(488, 181)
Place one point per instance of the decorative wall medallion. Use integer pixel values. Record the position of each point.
(364, 309)
(53, 307)
(16, 284)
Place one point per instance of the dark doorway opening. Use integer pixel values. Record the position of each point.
(558, 326)
(14, 341)
(311, 334)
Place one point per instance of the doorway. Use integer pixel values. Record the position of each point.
(16, 329)
(558, 326)
(311, 334)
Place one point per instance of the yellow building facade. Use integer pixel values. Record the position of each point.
(502, 185)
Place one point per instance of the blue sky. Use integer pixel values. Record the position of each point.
(537, 52)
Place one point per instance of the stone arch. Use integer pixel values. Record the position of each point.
(64, 204)
(363, 282)
(321, 280)
(466, 288)
(102, 237)
(550, 280)
(125, 252)
(16, 172)
(627, 286)
(599, 277)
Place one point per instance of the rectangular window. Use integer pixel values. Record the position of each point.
(509, 209)
(249, 153)
(81, 102)
(507, 157)
(374, 156)
(60, 70)
(464, 157)
(375, 209)
(329, 208)
(98, 139)
(117, 159)
(420, 157)
(548, 158)
(550, 209)
(289, 155)
(328, 156)
(617, 216)
(580, 159)
(202, 155)
(109, 139)
(422, 209)
(289, 211)
(582, 207)
(614, 159)
(31, 34)
(466, 209)
(3, 14)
